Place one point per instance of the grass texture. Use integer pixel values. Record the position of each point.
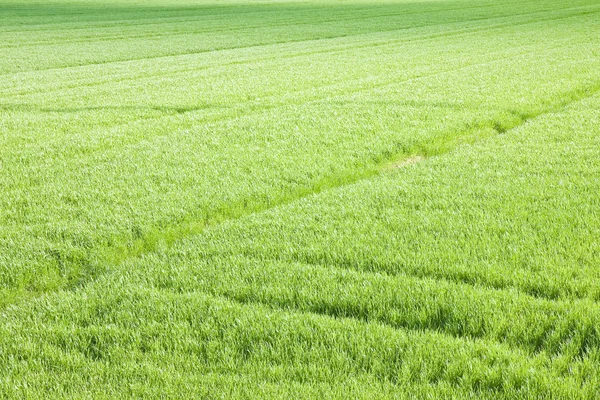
(285, 199)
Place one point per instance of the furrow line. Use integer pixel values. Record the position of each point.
(307, 11)
(287, 42)
(279, 24)
(377, 43)
(249, 107)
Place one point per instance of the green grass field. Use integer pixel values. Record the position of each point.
(300, 199)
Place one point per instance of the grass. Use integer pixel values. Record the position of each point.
(274, 199)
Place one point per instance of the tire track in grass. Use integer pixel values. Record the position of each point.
(101, 261)
(421, 153)
(166, 236)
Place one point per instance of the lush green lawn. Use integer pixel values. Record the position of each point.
(344, 199)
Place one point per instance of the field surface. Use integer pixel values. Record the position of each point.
(300, 199)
